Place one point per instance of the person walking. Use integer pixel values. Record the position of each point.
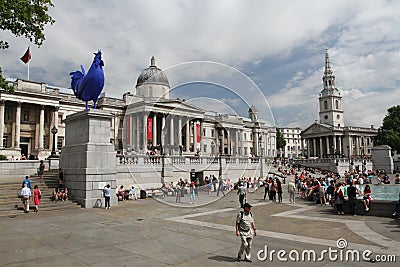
(107, 195)
(291, 191)
(192, 195)
(242, 190)
(266, 188)
(279, 189)
(220, 186)
(352, 192)
(27, 182)
(178, 189)
(26, 194)
(37, 195)
(41, 170)
(246, 229)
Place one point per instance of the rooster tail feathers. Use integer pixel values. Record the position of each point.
(76, 79)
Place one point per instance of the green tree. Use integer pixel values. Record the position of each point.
(280, 141)
(25, 18)
(389, 132)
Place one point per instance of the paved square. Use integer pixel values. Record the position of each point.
(152, 233)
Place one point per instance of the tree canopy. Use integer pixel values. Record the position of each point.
(389, 132)
(280, 141)
(25, 18)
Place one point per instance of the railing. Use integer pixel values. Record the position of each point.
(185, 160)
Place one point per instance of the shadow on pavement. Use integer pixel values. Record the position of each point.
(222, 258)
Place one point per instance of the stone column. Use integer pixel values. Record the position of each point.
(187, 135)
(195, 136)
(315, 146)
(88, 158)
(328, 151)
(155, 130)
(171, 131)
(137, 133)
(2, 103)
(340, 144)
(236, 142)
(144, 114)
(308, 147)
(17, 125)
(334, 144)
(180, 131)
(41, 127)
(320, 147)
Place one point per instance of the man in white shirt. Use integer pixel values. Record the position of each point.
(26, 194)
(246, 229)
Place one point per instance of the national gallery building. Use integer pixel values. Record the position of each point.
(31, 120)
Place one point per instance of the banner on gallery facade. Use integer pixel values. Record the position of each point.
(198, 133)
(150, 129)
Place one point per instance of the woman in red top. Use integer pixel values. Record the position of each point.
(37, 195)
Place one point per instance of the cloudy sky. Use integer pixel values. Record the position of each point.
(226, 55)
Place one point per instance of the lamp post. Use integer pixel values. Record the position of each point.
(164, 131)
(54, 131)
(220, 153)
(261, 156)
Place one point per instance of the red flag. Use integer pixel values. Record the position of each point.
(27, 56)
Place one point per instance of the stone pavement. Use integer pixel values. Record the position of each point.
(151, 233)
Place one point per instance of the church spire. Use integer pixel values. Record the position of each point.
(328, 70)
(328, 78)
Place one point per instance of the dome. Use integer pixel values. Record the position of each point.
(153, 75)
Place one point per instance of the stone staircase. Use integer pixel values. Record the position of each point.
(11, 205)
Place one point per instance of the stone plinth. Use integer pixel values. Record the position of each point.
(382, 158)
(88, 157)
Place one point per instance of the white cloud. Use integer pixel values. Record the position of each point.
(362, 36)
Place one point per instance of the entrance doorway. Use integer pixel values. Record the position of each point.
(25, 145)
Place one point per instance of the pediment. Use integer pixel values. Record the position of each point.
(316, 129)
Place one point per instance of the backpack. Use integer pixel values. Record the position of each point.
(242, 214)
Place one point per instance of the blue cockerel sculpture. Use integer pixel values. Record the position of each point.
(88, 86)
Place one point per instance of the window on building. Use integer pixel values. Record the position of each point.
(244, 136)
(337, 104)
(245, 151)
(205, 148)
(330, 82)
(204, 132)
(325, 105)
(60, 119)
(60, 141)
(212, 132)
(5, 140)
(120, 144)
(251, 136)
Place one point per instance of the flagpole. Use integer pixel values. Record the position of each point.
(28, 71)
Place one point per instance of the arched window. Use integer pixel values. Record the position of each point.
(337, 104)
(325, 105)
(330, 82)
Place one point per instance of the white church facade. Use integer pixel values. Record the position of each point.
(329, 136)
